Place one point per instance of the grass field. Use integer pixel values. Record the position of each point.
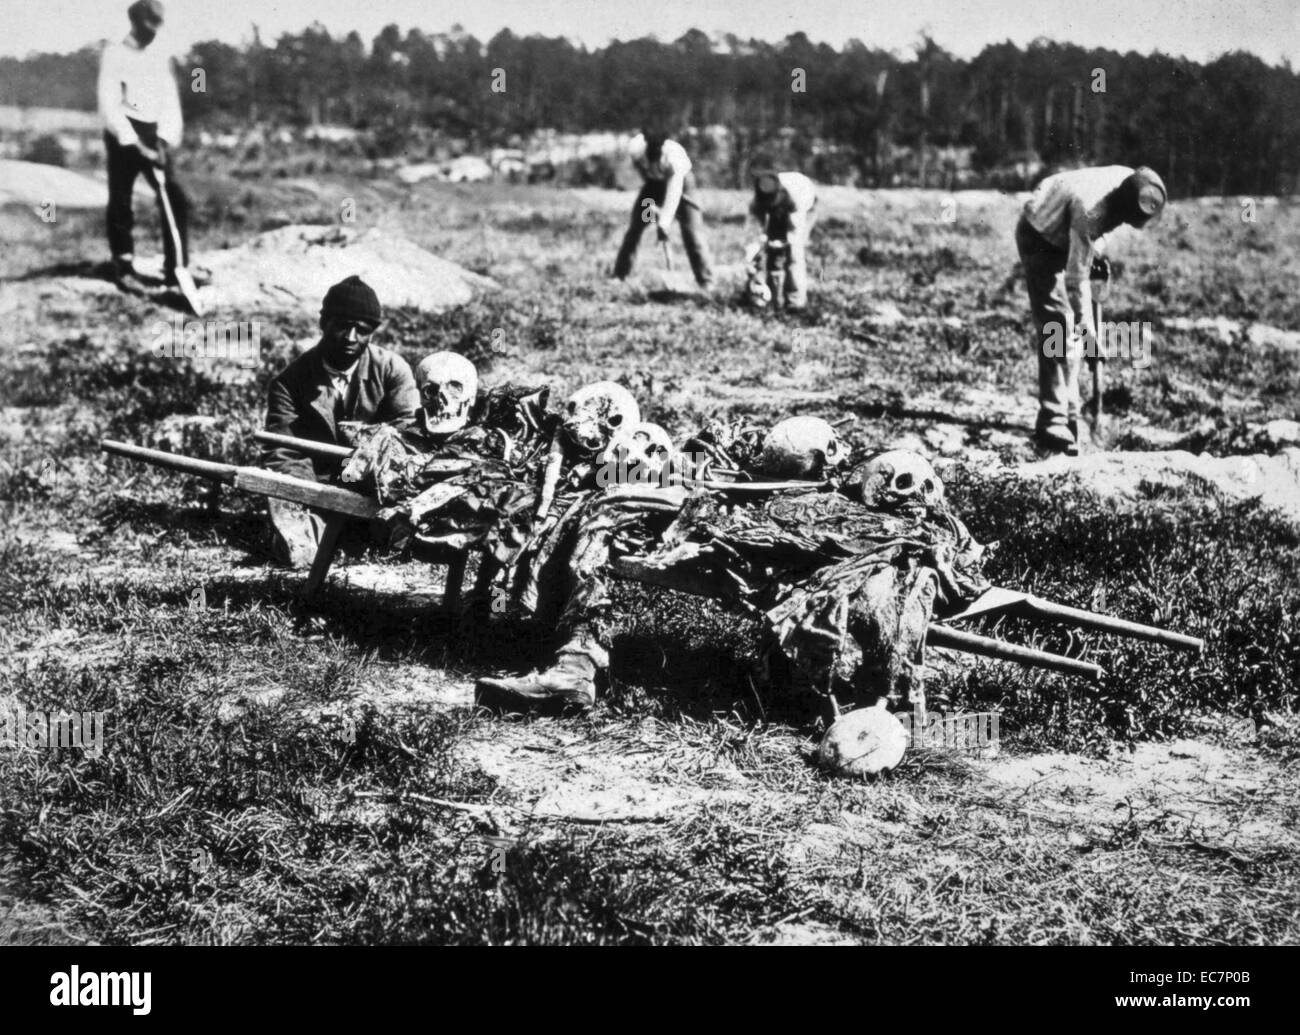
(278, 773)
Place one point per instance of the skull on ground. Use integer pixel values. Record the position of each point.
(894, 479)
(801, 447)
(595, 413)
(639, 454)
(448, 386)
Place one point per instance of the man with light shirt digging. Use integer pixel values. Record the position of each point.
(1061, 233)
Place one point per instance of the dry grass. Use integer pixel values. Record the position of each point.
(279, 774)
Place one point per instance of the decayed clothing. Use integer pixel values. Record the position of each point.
(476, 488)
(562, 574)
(729, 445)
(479, 489)
(846, 591)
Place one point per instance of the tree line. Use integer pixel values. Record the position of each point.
(1231, 125)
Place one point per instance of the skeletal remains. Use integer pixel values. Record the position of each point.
(591, 417)
(802, 447)
(599, 428)
(640, 453)
(894, 478)
(448, 386)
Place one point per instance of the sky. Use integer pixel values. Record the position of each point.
(1199, 29)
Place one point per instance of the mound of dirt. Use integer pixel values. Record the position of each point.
(1273, 480)
(31, 183)
(293, 267)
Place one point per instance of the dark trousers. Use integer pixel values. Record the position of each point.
(124, 164)
(787, 263)
(689, 217)
(1059, 351)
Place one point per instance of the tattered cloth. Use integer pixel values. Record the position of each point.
(731, 445)
(474, 489)
(847, 591)
(479, 489)
(561, 575)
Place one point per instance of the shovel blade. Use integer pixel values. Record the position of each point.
(189, 290)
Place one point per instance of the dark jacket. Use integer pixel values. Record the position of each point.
(300, 402)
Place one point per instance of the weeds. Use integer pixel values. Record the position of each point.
(256, 788)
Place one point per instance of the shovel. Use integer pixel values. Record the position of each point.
(1098, 363)
(184, 279)
(997, 600)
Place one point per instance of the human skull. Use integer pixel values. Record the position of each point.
(640, 453)
(863, 742)
(448, 385)
(801, 447)
(894, 479)
(594, 413)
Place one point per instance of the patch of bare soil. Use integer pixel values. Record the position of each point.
(1229, 331)
(1273, 480)
(292, 268)
(25, 922)
(1219, 796)
(36, 184)
(70, 648)
(804, 932)
(651, 773)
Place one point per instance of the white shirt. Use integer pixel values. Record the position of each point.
(1069, 210)
(798, 188)
(340, 379)
(136, 82)
(673, 160)
(802, 191)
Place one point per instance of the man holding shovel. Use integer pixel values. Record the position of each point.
(667, 194)
(1059, 235)
(142, 119)
(784, 204)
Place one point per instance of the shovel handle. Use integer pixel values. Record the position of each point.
(1106, 623)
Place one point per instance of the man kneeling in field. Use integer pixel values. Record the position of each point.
(344, 377)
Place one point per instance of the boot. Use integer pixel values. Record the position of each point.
(295, 533)
(570, 681)
(127, 277)
(1056, 438)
